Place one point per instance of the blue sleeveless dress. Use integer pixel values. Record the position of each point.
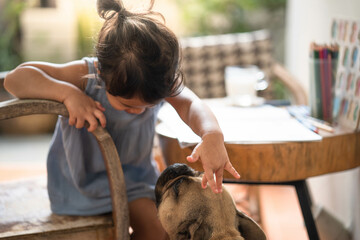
(77, 178)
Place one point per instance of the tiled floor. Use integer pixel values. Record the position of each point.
(275, 207)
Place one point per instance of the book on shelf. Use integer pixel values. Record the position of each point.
(323, 63)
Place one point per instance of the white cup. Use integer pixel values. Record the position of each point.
(242, 84)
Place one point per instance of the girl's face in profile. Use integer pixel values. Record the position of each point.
(132, 105)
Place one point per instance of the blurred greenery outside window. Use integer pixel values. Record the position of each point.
(10, 45)
(204, 17)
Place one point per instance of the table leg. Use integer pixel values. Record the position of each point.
(305, 204)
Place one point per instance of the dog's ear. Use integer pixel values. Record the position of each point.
(248, 228)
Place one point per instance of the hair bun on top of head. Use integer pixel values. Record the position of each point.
(106, 6)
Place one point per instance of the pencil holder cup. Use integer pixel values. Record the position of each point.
(322, 85)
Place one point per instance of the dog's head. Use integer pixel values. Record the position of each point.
(187, 211)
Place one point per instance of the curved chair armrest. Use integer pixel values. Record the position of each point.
(296, 89)
(16, 108)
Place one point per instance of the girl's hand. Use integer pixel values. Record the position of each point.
(83, 108)
(212, 153)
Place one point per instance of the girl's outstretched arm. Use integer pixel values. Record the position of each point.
(211, 150)
(60, 82)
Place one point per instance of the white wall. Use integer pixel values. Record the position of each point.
(307, 21)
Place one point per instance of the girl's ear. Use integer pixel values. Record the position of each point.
(248, 228)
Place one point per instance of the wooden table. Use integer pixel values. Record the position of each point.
(281, 162)
(289, 163)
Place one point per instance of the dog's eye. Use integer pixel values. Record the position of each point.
(183, 235)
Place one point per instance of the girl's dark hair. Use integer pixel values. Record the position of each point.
(138, 55)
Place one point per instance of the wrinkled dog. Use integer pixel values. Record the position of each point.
(187, 211)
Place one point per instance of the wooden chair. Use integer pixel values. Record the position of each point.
(205, 58)
(24, 206)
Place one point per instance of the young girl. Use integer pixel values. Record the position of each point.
(135, 69)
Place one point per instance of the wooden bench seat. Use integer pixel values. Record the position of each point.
(25, 214)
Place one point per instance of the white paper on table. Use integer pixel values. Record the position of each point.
(262, 124)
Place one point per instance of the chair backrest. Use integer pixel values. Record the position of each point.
(16, 108)
(205, 58)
